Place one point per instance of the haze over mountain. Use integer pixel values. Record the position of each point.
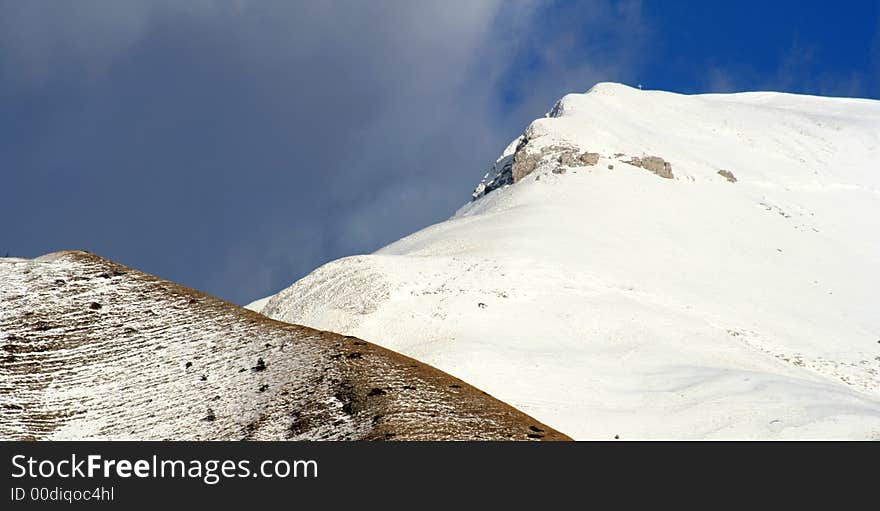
(643, 264)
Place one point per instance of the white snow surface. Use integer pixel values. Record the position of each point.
(615, 302)
(257, 305)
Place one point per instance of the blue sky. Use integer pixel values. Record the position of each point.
(235, 146)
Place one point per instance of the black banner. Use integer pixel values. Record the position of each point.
(409, 475)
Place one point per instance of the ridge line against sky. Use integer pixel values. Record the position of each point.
(235, 146)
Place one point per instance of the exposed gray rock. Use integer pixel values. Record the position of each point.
(654, 164)
(524, 164)
(728, 175)
(525, 160)
(589, 158)
(566, 156)
(569, 159)
(501, 174)
(557, 109)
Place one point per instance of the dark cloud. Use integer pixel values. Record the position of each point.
(235, 146)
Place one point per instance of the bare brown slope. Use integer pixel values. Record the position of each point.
(93, 349)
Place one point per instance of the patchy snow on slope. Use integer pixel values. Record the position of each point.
(648, 265)
(90, 349)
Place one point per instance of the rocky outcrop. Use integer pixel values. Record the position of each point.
(90, 349)
(589, 159)
(525, 161)
(653, 164)
(501, 173)
(571, 157)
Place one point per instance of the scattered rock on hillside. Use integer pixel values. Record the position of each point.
(654, 164)
(589, 158)
(728, 175)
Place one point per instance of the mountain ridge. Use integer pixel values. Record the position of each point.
(659, 266)
(91, 349)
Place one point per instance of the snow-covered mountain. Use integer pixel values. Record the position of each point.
(90, 349)
(645, 264)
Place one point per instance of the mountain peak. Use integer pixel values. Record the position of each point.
(648, 264)
(768, 137)
(609, 88)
